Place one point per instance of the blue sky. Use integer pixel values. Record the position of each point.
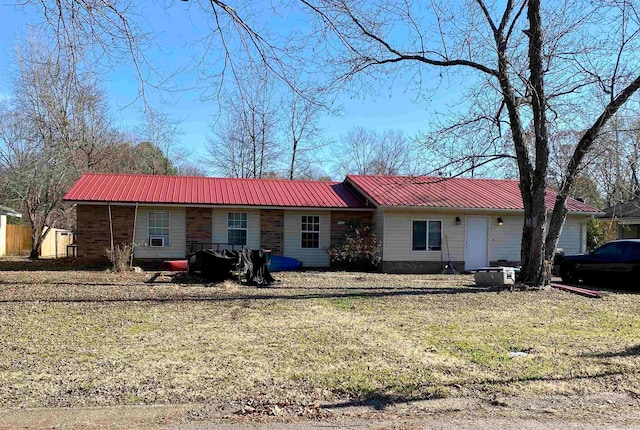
(393, 108)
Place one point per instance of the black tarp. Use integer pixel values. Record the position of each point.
(256, 271)
(213, 265)
(218, 266)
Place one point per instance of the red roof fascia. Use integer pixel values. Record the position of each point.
(121, 188)
(437, 192)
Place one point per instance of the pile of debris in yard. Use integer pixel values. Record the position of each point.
(247, 266)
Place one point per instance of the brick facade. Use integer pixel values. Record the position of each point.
(343, 222)
(272, 230)
(199, 226)
(93, 232)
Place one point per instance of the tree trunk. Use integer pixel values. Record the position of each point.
(35, 252)
(534, 271)
(558, 218)
(36, 243)
(532, 183)
(293, 158)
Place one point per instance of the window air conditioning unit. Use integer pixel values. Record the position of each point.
(156, 242)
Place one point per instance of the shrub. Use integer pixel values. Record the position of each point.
(600, 231)
(361, 249)
(121, 256)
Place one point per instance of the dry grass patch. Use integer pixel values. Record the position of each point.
(95, 338)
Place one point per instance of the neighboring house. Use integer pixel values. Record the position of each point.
(627, 217)
(167, 216)
(423, 222)
(4, 212)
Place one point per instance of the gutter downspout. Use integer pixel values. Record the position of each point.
(111, 232)
(133, 234)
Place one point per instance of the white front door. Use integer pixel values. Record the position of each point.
(476, 246)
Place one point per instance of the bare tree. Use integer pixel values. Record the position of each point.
(54, 127)
(92, 135)
(161, 132)
(615, 160)
(187, 168)
(244, 144)
(368, 152)
(357, 152)
(38, 130)
(35, 178)
(395, 154)
(535, 76)
(302, 137)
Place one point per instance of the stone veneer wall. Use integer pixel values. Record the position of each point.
(504, 263)
(272, 230)
(418, 266)
(93, 233)
(199, 226)
(351, 220)
(433, 266)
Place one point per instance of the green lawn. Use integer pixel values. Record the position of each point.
(95, 338)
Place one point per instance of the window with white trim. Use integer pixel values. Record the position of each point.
(310, 231)
(426, 235)
(158, 228)
(237, 228)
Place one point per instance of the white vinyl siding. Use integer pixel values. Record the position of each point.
(505, 239)
(177, 234)
(398, 230)
(573, 237)
(220, 228)
(310, 257)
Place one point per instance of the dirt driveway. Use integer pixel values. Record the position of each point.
(611, 411)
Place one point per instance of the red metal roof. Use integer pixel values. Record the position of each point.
(211, 191)
(436, 192)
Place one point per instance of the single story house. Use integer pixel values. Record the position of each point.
(169, 216)
(4, 213)
(422, 222)
(425, 222)
(627, 217)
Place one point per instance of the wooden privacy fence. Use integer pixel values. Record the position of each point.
(18, 239)
(54, 245)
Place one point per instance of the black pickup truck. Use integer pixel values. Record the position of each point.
(619, 259)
